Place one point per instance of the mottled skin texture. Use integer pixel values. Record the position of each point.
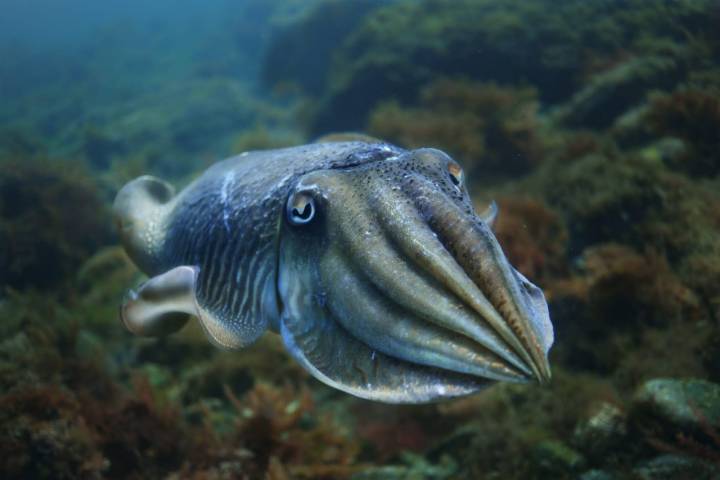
(392, 289)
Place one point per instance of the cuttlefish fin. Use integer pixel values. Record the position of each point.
(140, 211)
(490, 214)
(163, 305)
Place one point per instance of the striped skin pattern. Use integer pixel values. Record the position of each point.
(392, 290)
(226, 223)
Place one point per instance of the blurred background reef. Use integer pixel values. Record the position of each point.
(594, 124)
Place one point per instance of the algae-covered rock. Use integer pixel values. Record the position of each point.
(52, 218)
(414, 467)
(603, 198)
(676, 467)
(398, 49)
(554, 457)
(694, 116)
(596, 475)
(685, 405)
(301, 52)
(616, 223)
(618, 90)
(42, 435)
(601, 431)
(710, 353)
(533, 237)
(491, 130)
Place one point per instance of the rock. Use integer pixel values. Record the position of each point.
(415, 468)
(693, 116)
(554, 457)
(611, 94)
(400, 48)
(676, 467)
(37, 249)
(631, 129)
(601, 431)
(689, 404)
(666, 150)
(596, 475)
(301, 52)
(390, 472)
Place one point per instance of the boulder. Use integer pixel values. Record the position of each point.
(681, 404)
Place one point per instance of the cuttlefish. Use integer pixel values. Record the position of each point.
(367, 259)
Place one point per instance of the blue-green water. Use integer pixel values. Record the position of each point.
(595, 125)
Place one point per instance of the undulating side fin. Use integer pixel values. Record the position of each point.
(490, 214)
(139, 210)
(163, 304)
(347, 137)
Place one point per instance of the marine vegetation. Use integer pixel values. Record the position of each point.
(692, 116)
(39, 199)
(490, 129)
(593, 126)
(556, 47)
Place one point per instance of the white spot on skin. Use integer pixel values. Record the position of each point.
(228, 180)
(441, 390)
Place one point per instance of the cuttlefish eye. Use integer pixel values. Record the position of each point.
(300, 208)
(455, 172)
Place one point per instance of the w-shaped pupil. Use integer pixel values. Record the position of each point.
(306, 212)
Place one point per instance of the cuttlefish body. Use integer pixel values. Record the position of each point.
(367, 259)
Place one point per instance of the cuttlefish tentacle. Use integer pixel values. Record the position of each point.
(386, 266)
(473, 243)
(473, 315)
(408, 337)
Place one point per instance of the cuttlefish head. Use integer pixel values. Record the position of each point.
(393, 289)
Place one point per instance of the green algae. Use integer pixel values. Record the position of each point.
(402, 47)
(479, 124)
(39, 199)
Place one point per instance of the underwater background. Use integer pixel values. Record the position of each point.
(594, 124)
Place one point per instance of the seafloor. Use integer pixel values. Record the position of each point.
(594, 124)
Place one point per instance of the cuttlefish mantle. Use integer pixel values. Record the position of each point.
(368, 260)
